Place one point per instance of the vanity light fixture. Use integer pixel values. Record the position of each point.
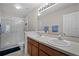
(45, 7)
(17, 6)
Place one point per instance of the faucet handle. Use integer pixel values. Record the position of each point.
(63, 34)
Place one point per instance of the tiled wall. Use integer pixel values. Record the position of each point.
(32, 20)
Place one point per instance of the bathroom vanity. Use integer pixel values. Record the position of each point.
(36, 48)
(50, 45)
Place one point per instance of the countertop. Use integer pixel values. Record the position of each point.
(72, 50)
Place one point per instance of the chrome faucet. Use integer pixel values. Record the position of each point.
(60, 36)
(38, 33)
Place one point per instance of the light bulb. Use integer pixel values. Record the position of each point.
(17, 6)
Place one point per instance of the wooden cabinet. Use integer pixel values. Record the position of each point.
(32, 47)
(34, 50)
(50, 51)
(38, 49)
(41, 53)
(29, 48)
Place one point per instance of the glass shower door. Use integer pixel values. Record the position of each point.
(12, 32)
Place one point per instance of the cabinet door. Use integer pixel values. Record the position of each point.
(41, 53)
(29, 48)
(34, 50)
(50, 51)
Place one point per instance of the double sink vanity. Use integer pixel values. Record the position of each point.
(50, 45)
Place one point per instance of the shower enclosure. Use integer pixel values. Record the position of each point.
(11, 32)
(0, 32)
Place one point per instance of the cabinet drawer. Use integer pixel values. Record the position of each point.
(50, 51)
(33, 42)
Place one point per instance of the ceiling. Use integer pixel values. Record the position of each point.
(8, 9)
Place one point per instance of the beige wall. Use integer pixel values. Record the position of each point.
(56, 17)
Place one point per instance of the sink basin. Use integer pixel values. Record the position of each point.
(53, 41)
(57, 42)
(46, 37)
